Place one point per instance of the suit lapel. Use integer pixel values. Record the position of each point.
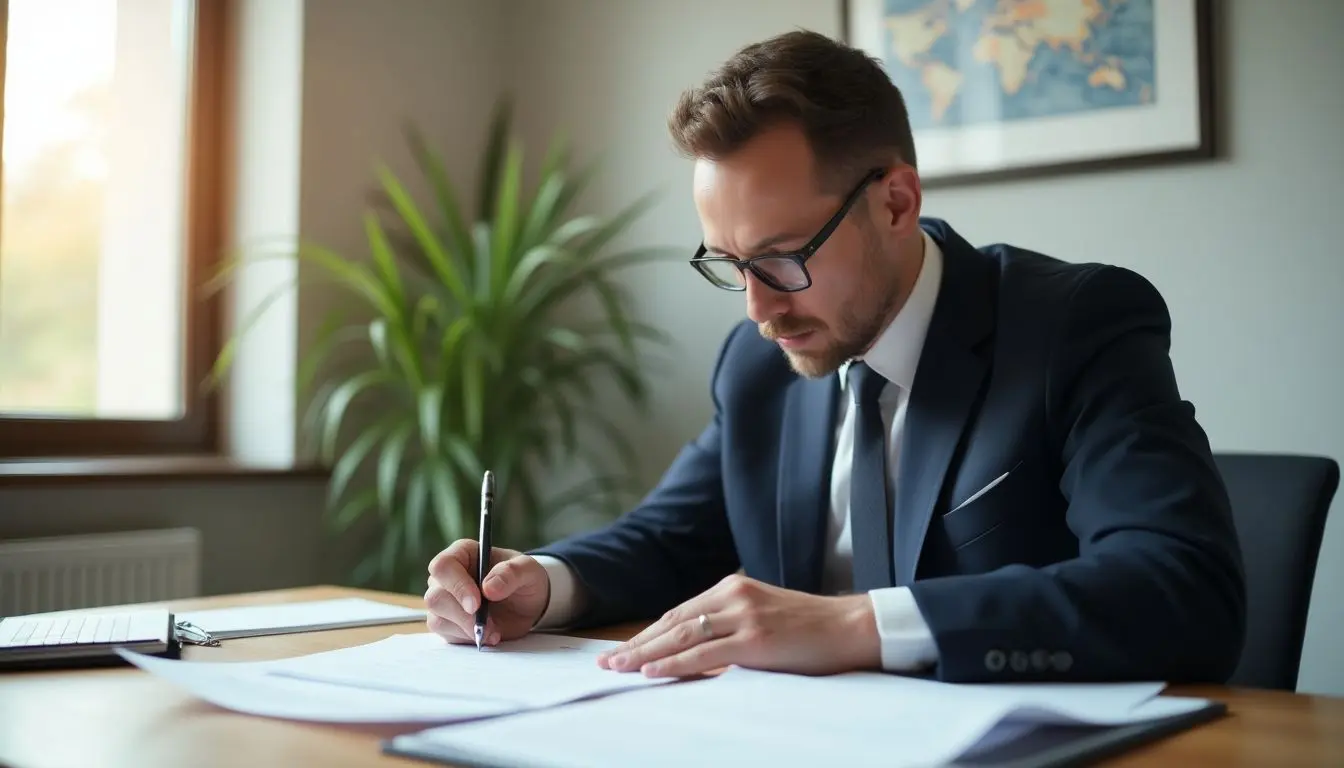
(946, 387)
(806, 449)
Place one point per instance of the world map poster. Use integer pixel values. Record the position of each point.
(1015, 87)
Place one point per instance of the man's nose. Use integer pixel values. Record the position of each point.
(763, 302)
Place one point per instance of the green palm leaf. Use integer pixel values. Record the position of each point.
(428, 241)
(506, 222)
(390, 466)
(417, 499)
(360, 448)
(435, 171)
(493, 159)
(340, 400)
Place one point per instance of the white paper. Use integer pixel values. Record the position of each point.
(249, 621)
(757, 718)
(248, 687)
(536, 670)
(401, 679)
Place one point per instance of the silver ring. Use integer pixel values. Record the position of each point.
(705, 627)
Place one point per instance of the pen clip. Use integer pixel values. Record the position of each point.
(190, 633)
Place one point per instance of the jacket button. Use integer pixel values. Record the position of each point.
(994, 660)
(1019, 661)
(1062, 661)
(1040, 660)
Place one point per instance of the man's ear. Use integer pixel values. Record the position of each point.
(902, 198)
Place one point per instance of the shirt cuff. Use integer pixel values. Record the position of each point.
(906, 641)
(565, 599)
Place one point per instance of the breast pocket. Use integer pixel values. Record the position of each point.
(984, 510)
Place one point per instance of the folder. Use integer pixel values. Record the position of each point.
(1059, 746)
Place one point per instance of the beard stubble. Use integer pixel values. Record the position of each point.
(861, 319)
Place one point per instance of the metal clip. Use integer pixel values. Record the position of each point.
(190, 633)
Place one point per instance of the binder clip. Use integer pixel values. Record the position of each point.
(190, 633)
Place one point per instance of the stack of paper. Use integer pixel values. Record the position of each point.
(745, 717)
(565, 711)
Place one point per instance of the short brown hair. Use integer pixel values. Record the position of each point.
(854, 117)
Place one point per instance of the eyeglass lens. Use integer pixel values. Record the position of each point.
(784, 273)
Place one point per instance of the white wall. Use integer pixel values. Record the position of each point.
(369, 69)
(613, 98)
(1246, 250)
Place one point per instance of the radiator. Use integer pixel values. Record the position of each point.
(68, 572)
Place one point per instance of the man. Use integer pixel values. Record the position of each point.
(923, 457)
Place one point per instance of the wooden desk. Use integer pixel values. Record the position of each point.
(124, 717)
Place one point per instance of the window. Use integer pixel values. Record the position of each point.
(109, 206)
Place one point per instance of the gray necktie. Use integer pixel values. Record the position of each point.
(870, 505)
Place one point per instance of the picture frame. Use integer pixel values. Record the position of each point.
(1115, 84)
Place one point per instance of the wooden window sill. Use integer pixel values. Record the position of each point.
(61, 471)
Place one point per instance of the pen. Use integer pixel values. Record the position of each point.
(483, 555)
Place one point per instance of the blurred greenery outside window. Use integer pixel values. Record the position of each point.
(108, 135)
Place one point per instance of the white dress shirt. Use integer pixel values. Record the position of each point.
(906, 642)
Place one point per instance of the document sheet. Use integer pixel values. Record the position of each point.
(251, 621)
(252, 688)
(745, 717)
(403, 678)
(534, 671)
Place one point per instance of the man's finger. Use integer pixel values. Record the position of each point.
(460, 553)
(699, 658)
(446, 629)
(677, 639)
(706, 603)
(504, 579)
(447, 606)
(650, 632)
(456, 578)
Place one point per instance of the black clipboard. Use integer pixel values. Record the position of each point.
(1046, 746)
(102, 657)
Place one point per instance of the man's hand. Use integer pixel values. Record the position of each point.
(752, 624)
(516, 585)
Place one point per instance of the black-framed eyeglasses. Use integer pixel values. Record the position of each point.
(785, 272)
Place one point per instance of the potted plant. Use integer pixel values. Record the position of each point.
(477, 353)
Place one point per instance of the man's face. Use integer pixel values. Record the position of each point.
(765, 199)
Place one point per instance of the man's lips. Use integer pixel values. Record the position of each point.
(796, 340)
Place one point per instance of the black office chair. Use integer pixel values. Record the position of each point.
(1279, 503)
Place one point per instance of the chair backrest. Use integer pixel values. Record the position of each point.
(1279, 503)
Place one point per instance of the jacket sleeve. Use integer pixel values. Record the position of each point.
(673, 545)
(1157, 591)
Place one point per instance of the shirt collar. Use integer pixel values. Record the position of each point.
(895, 353)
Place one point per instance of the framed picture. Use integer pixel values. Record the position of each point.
(1000, 89)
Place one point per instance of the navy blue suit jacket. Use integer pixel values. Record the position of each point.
(1108, 550)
